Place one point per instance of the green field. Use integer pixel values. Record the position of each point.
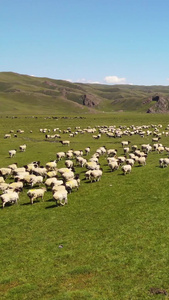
(114, 233)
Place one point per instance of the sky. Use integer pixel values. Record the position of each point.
(89, 41)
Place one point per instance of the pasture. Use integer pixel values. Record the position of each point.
(112, 239)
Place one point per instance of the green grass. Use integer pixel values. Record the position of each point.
(24, 94)
(114, 233)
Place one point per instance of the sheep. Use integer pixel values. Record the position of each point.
(41, 171)
(125, 143)
(126, 169)
(113, 165)
(16, 186)
(36, 180)
(21, 176)
(69, 163)
(12, 152)
(72, 184)
(161, 160)
(3, 186)
(87, 150)
(18, 171)
(51, 166)
(81, 161)
(165, 162)
(60, 155)
(95, 175)
(10, 197)
(130, 162)
(111, 152)
(68, 176)
(52, 174)
(22, 148)
(13, 166)
(92, 166)
(36, 193)
(87, 174)
(69, 154)
(142, 161)
(65, 143)
(60, 196)
(58, 188)
(7, 136)
(52, 181)
(2, 179)
(5, 172)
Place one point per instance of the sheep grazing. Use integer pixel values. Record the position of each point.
(68, 176)
(72, 184)
(12, 153)
(125, 143)
(22, 148)
(16, 186)
(37, 180)
(10, 197)
(92, 166)
(130, 162)
(164, 162)
(65, 143)
(36, 193)
(52, 174)
(126, 169)
(52, 182)
(7, 136)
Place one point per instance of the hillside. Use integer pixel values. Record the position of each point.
(36, 95)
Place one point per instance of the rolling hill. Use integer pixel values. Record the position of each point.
(36, 95)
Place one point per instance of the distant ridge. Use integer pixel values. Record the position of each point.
(36, 95)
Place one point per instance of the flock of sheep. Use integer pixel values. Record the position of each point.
(61, 181)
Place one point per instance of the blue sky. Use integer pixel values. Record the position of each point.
(104, 41)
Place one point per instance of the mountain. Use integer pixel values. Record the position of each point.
(36, 95)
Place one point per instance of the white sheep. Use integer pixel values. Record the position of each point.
(60, 196)
(22, 148)
(95, 175)
(126, 169)
(130, 162)
(142, 161)
(3, 186)
(16, 186)
(69, 163)
(12, 153)
(5, 172)
(37, 180)
(52, 174)
(51, 166)
(92, 166)
(68, 176)
(53, 181)
(72, 184)
(10, 197)
(113, 165)
(2, 180)
(60, 155)
(36, 193)
(65, 143)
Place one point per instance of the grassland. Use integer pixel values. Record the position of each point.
(114, 233)
(23, 94)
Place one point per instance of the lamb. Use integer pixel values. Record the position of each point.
(60, 196)
(10, 197)
(12, 153)
(95, 175)
(36, 193)
(72, 184)
(126, 169)
(22, 148)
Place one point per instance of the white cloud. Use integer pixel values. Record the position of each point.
(70, 80)
(115, 80)
(83, 80)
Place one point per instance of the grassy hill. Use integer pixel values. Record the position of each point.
(32, 95)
